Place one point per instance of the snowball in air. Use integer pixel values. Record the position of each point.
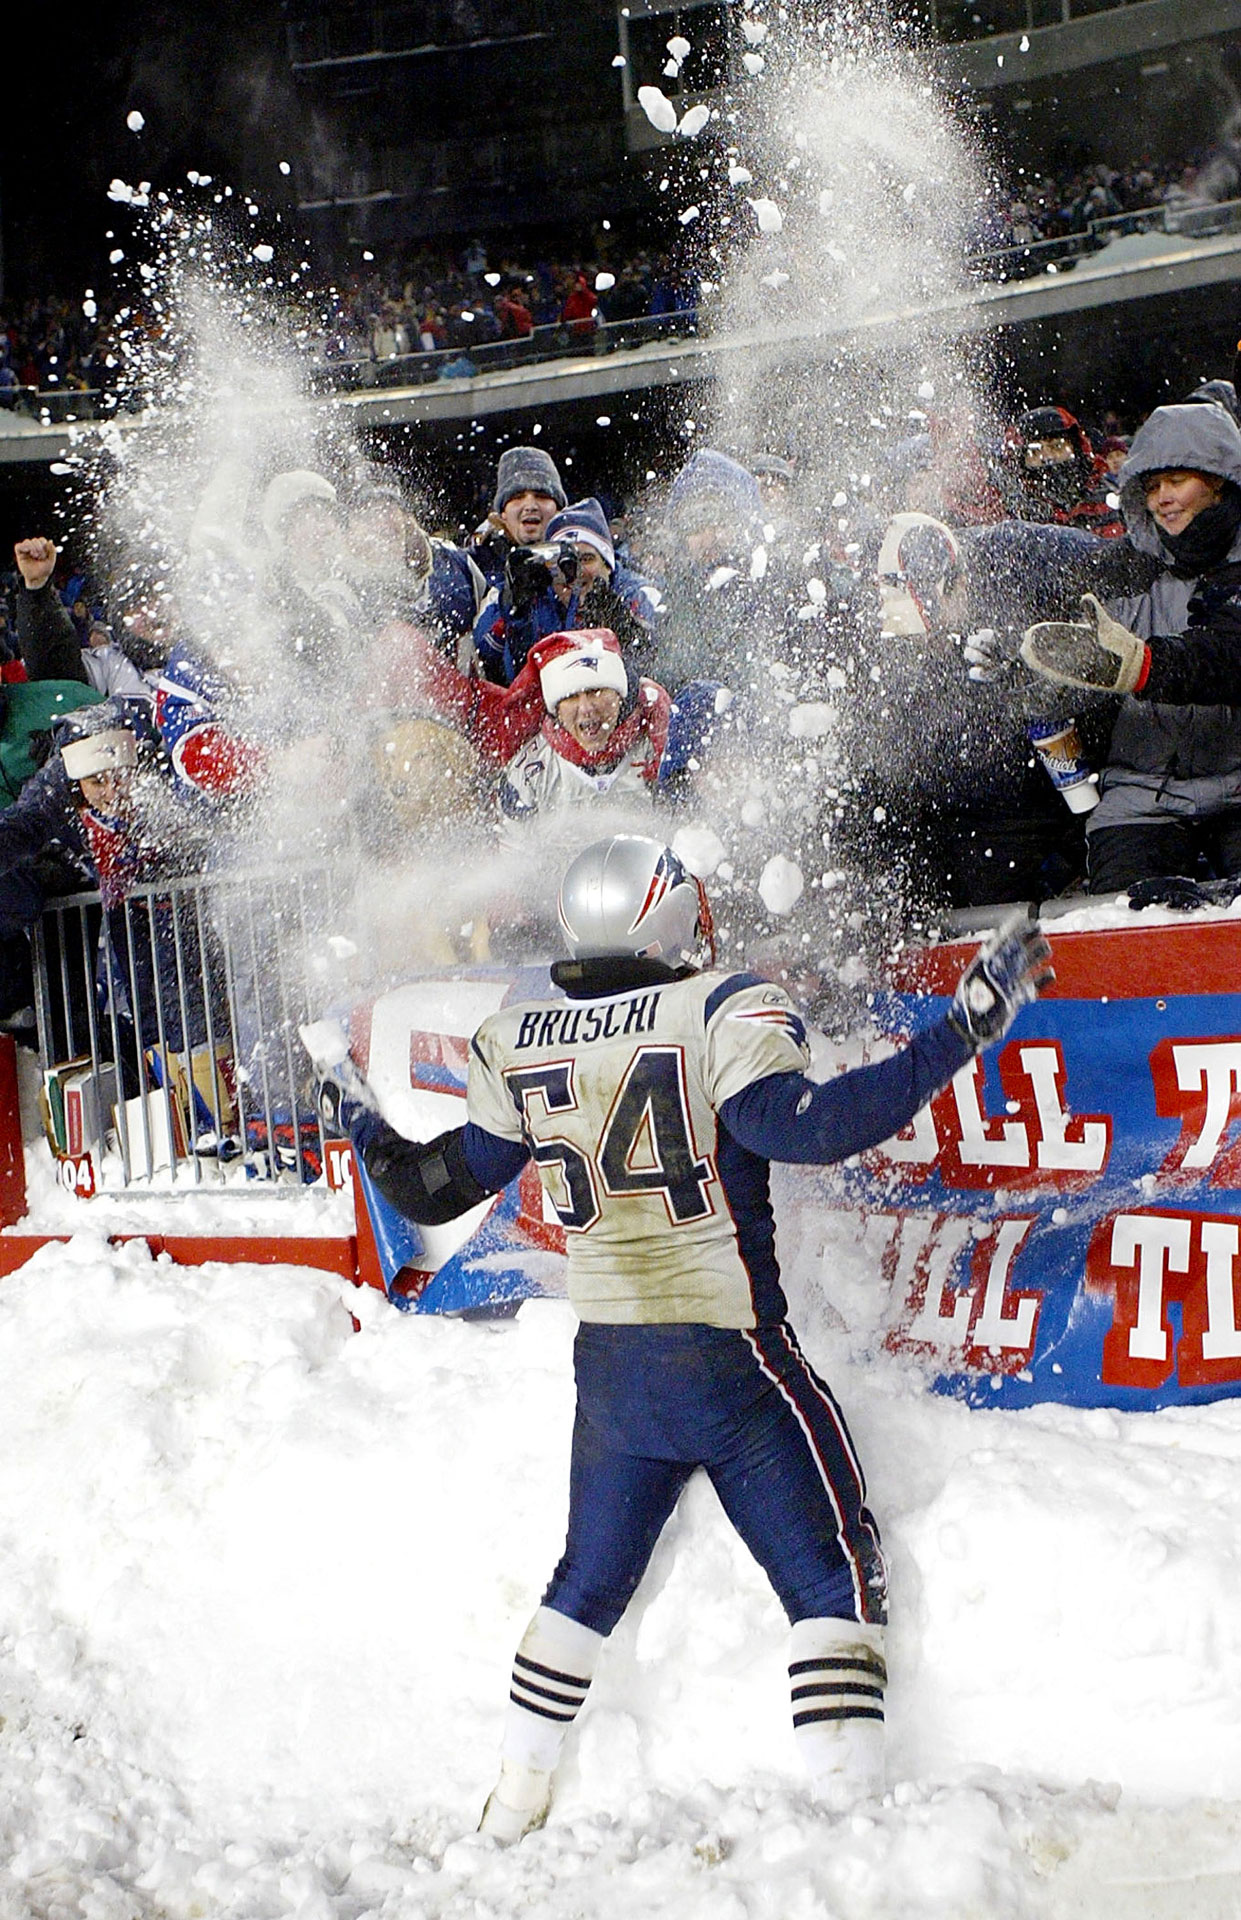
(769, 217)
(739, 176)
(780, 884)
(658, 109)
(688, 217)
(678, 47)
(755, 32)
(693, 122)
(263, 252)
(700, 849)
(811, 720)
(135, 121)
(753, 62)
(603, 281)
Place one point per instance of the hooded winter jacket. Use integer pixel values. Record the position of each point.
(1172, 761)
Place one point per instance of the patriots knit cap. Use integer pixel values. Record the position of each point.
(569, 663)
(715, 477)
(526, 470)
(586, 523)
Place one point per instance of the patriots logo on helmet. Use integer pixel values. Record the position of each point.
(668, 873)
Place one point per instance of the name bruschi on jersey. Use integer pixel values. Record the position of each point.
(572, 1025)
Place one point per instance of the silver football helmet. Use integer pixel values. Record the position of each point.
(630, 895)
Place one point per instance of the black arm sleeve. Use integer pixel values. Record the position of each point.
(47, 637)
(1200, 667)
(431, 1181)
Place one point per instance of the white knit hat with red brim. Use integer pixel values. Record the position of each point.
(113, 750)
(569, 663)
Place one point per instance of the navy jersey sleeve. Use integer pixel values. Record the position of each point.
(787, 1117)
(493, 1161)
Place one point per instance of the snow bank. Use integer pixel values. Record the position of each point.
(261, 1578)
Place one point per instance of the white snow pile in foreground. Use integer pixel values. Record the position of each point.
(261, 1579)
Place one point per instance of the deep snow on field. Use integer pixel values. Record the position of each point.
(261, 1577)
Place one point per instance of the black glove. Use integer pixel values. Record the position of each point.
(1006, 974)
(602, 606)
(991, 653)
(527, 574)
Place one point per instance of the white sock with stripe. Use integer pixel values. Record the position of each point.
(837, 1674)
(552, 1671)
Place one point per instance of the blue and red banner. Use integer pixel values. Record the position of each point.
(1063, 1222)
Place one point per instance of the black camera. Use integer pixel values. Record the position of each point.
(532, 570)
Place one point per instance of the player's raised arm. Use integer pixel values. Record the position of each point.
(784, 1116)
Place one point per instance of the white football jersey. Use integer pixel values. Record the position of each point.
(617, 1099)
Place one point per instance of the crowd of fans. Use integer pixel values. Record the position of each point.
(1042, 206)
(900, 703)
(450, 301)
(431, 303)
(569, 653)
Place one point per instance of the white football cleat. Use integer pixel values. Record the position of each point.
(518, 1804)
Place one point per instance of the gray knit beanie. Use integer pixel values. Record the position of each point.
(526, 470)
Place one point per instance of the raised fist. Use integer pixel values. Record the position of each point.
(36, 561)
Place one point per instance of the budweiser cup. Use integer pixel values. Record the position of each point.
(1059, 747)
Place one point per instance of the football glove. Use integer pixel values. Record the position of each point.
(1095, 652)
(343, 1094)
(1009, 971)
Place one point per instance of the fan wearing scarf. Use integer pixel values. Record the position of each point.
(603, 733)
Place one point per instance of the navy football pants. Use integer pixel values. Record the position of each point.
(654, 1403)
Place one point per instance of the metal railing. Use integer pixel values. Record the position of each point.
(966, 20)
(167, 1029)
(1192, 221)
(557, 341)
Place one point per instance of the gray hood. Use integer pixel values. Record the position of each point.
(1202, 437)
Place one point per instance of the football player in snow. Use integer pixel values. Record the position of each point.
(652, 1093)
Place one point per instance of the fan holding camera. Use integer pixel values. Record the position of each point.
(570, 579)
